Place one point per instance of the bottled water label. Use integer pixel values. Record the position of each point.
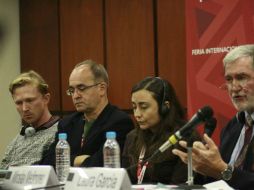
(111, 159)
(62, 164)
(111, 153)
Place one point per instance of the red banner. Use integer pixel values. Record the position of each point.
(213, 27)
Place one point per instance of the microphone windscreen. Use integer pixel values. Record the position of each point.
(205, 113)
(210, 126)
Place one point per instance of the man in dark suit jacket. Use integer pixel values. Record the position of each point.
(230, 162)
(242, 177)
(95, 116)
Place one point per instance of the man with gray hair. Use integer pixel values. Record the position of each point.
(86, 128)
(233, 161)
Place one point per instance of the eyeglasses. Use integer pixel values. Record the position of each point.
(238, 80)
(80, 88)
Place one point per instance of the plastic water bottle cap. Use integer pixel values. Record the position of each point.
(111, 135)
(62, 136)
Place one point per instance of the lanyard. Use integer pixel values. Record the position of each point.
(141, 169)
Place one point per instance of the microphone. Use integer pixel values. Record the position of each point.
(202, 115)
(210, 126)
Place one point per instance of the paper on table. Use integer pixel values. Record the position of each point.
(218, 185)
(152, 187)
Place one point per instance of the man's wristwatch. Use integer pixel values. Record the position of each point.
(227, 173)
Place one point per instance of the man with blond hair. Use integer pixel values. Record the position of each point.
(31, 96)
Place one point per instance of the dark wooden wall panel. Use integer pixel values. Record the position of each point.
(39, 43)
(130, 46)
(81, 37)
(132, 38)
(171, 44)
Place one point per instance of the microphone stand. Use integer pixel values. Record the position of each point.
(189, 155)
(190, 184)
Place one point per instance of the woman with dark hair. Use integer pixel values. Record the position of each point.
(159, 114)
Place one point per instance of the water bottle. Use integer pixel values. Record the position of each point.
(111, 151)
(62, 158)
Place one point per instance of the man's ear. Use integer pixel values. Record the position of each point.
(103, 87)
(46, 97)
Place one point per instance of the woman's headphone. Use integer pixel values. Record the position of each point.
(164, 109)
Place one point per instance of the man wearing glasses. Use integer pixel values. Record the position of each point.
(86, 128)
(233, 161)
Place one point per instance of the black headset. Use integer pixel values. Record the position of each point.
(28, 130)
(164, 109)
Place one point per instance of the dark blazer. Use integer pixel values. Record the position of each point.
(111, 119)
(168, 168)
(241, 179)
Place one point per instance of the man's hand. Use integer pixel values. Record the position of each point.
(79, 160)
(206, 158)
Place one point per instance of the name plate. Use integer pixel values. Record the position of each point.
(31, 177)
(98, 179)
